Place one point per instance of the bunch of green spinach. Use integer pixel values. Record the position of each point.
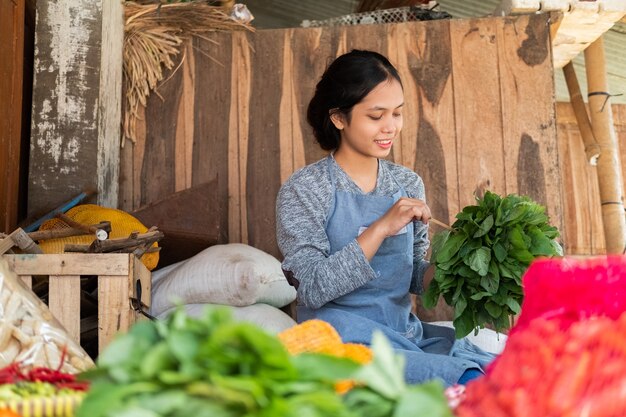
(215, 367)
(480, 262)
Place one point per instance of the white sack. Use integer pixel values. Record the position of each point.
(234, 274)
(269, 318)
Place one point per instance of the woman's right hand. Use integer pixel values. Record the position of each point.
(404, 211)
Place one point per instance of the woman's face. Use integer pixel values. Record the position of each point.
(374, 124)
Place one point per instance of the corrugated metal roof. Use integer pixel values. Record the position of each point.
(289, 13)
(614, 46)
(469, 8)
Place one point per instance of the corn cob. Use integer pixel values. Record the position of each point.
(358, 353)
(320, 337)
(343, 386)
(312, 336)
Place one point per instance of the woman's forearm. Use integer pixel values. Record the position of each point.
(371, 239)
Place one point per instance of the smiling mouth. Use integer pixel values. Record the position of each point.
(383, 142)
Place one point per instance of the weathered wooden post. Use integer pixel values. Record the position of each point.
(75, 133)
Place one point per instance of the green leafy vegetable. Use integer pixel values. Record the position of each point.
(479, 264)
(214, 366)
(384, 392)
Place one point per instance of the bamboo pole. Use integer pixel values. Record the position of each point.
(592, 148)
(609, 166)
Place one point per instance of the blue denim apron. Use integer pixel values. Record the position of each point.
(384, 303)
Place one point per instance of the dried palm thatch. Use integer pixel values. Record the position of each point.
(153, 34)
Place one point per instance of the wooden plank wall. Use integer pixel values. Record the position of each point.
(480, 113)
(582, 211)
(11, 79)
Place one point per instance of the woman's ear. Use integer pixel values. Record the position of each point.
(337, 119)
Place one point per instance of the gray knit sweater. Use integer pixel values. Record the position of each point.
(302, 210)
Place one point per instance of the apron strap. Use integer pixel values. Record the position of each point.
(331, 173)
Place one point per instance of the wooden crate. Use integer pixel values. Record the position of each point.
(117, 275)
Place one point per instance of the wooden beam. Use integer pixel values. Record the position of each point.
(20, 239)
(110, 103)
(75, 131)
(609, 166)
(106, 264)
(11, 79)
